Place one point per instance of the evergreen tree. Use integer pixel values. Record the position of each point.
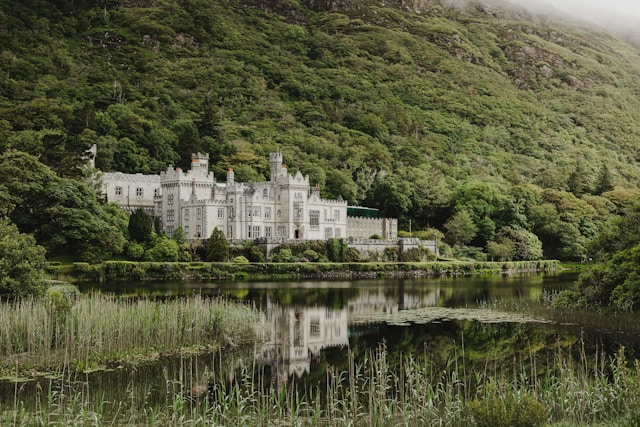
(208, 123)
(140, 226)
(218, 246)
(178, 236)
(578, 181)
(604, 182)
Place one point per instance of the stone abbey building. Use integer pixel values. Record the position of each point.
(285, 208)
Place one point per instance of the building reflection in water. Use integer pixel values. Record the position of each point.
(294, 335)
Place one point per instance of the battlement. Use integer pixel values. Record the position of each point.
(334, 202)
(177, 174)
(297, 179)
(129, 177)
(199, 156)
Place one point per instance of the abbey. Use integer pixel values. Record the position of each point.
(287, 207)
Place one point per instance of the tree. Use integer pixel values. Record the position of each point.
(178, 236)
(431, 195)
(526, 245)
(502, 249)
(578, 181)
(140, 226)
(460, 228)
(208, 123)
(185, 252)
(217, 247)
(563, 223)
(64, 215)
(489, 206)
(604, 181)
(429, 234)
(616, 280)
(22, 262)
(392, 196)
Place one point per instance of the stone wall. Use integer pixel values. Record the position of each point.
(374, 248)
(364, 228)
(368, 248)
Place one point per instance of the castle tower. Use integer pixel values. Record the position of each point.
(275, 162)
(200, 162)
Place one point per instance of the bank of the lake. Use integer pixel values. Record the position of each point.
(212, 271)
(424, 362)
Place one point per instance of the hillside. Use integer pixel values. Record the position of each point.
(409, 106)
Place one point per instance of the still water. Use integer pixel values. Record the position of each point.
(309, 326)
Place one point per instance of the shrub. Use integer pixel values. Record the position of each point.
(240, 260)
(283, 255)
(256, 254)
(184, 252)
(59, 299)
(311, 255)
(471, 253)
(135, 251)
(86, 271)
(498, 410)
(164, 249)
(429, 234)
(391, 254)
(412, 255)
(351, 255)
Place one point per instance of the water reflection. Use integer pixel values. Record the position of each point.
(294, 335)
(309, 326)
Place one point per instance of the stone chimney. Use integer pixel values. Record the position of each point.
(230, 177)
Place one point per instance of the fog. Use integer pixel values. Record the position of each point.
(615, 15)
(619, 17)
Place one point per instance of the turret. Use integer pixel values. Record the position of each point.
(275, 162)
(200, 162)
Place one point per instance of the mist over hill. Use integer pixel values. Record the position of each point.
(397, 104)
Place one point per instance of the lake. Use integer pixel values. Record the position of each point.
(492, 322)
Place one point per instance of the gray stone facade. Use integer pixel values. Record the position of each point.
(285, 208)
(131, 191)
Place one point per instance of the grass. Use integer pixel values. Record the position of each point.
(98, 331)
(593, 390)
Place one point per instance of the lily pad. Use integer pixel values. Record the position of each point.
(445, 314)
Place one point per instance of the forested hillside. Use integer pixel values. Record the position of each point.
(481, 121)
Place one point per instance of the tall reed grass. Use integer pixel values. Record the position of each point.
(594, 390)
(100, 330)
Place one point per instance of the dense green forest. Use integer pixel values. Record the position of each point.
(504, 130)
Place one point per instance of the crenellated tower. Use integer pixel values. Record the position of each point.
(275, 162)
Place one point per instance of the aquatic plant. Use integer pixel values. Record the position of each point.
(101, 330)
(371, 391)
